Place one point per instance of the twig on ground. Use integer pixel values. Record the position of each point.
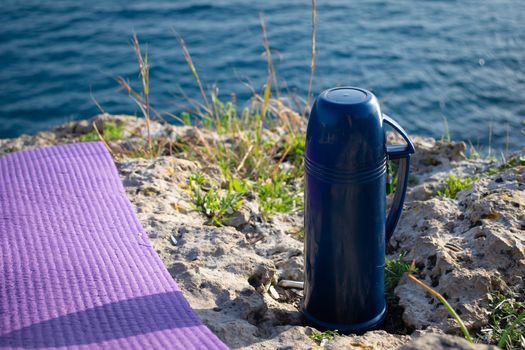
(291, 284)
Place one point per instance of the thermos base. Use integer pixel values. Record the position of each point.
(342, 328)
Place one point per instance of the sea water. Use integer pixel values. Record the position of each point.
(429, 62)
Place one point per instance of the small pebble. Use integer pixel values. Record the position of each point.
(273, 293)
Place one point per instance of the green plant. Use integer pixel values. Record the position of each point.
(506, 321)
(238, 185)
(493, 171)
(454, 184)
(186, 118)
(296, 144)
(512, 162)
(277, 194)
(392, 177)
(391, 169)
(110, 132)
(473, 152)
(318, 336)
(216, 206)
(446, 130)
(198, 178)
(394, 271)
(515, 161)
(91, 136)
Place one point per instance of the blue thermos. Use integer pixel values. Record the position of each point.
(346, 225)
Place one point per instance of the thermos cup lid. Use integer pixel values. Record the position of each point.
(345, 130)
(347, 95)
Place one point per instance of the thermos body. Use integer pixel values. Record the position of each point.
(345, 247)
(345, 210)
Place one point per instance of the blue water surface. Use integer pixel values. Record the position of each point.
(427, 61)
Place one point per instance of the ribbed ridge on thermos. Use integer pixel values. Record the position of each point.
(339, 176)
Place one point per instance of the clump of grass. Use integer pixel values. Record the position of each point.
(493, 171)
(391, 167)
(454, 184)
(394, 271)
(277, 195)
(251, 146)
(141, 98)
(473, 153)
(258, 148)
(238, 185)
(110, 132)
(296, 146)
(156, 149)
(506, 321)
(215, 205)
(198, 178)
(186, 118)
(512, 162)
(318, 336)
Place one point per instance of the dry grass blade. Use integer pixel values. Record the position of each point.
(196, 105)
(173, 116)
(144, 77)
(102, 139)
(269, 62)
(202, 140)
(271, 73)
(125, 84)
(312, 63)
(281, 160)
(266, 100)
(445, 303)
(490, 140)
(243, 160)
(190, 63)
(99, 107)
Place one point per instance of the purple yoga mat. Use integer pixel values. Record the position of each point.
(76, 268)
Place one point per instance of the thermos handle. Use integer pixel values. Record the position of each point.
(401, 152)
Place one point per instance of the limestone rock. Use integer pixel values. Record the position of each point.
(465, 247)
(369, 340)
(443, 342)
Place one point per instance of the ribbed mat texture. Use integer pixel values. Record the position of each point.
(76, 268)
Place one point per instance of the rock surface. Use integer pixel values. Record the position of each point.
(464, 247)
(441, 341)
